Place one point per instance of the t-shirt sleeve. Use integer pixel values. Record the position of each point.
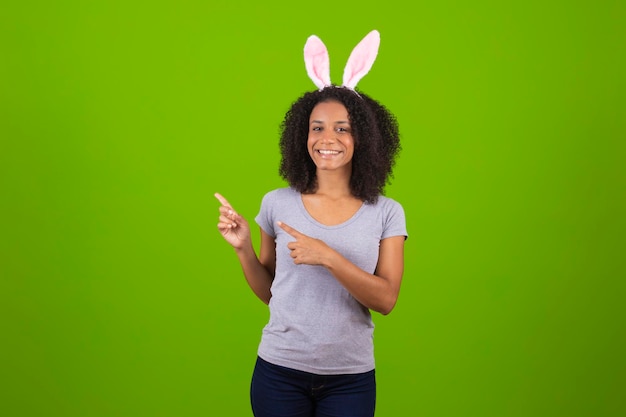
(395, 221)
(266, 214)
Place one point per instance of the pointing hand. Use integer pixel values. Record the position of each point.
(233, 227)
(305, 249)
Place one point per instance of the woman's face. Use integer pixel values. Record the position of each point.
(330, 142)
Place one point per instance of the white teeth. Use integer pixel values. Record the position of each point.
(326, 152)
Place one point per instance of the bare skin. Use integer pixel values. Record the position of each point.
(331, 147)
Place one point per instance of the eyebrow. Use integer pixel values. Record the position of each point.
(337, 122)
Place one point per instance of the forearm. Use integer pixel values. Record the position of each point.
(258, 277)
(378, 291)
(374, 292)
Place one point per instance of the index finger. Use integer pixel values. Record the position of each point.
(223, 200)
(290, 230)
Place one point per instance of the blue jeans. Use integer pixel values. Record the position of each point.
(277, 391)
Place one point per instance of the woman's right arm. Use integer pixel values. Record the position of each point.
(259, 272)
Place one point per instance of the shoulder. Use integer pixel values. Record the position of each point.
(281, 193)
(280, 196)
(393, 217)
(387, 204)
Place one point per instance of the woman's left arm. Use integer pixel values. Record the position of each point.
(378, 291)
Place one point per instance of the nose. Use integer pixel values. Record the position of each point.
(329, 137)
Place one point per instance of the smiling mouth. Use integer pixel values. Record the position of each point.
(327, 152)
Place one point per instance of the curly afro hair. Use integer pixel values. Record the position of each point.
(376, 142)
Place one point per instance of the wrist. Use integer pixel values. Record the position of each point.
(244, 249)
(330, 258)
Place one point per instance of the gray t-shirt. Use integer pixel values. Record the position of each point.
(315, 324)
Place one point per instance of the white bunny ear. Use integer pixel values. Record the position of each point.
(317, 61)
(361, 59)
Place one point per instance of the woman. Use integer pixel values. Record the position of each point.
(332, 249)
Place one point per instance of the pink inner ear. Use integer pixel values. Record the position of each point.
(361, 59)
(317, 61)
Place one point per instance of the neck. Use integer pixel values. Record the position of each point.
(333, 184)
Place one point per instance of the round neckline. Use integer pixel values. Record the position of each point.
(326, 226)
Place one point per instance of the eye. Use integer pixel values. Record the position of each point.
(343, 129)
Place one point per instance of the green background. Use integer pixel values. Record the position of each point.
(120, 119)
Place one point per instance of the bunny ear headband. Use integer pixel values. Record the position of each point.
(359, 63)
